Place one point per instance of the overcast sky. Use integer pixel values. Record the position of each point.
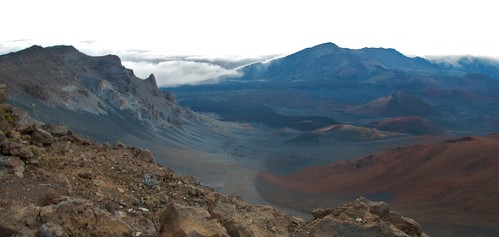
(185, 41)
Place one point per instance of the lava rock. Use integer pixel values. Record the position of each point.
(13, 164)
(178, 220)
(145, 155)
(40, 136)
(56, 131)
(16, 149)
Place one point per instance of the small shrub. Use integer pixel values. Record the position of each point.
(8, 116)
(157, 224)
(150, 181)
(42, 163)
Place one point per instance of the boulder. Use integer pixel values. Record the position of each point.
(145, 155)
(16, 149)
(242, 219)
(71, 217)
(80, 140)
(56, 131)
(26, 128)
(405, 224)
(330, 226)
(26, 138)
(379, 208)
(13, 164)
(13, 134)
(51, 230)
(363, 218)
(182, 221)
(40, 136)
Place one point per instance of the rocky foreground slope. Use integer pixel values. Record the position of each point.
(56, 183)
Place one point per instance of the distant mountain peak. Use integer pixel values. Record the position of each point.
(381, 49)
(327, 45)
(328, 61)
(322, 48)
(57, 49)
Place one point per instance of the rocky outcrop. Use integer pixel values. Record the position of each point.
(145, 155)
(41, 137)
(63, 77)
(182, 221)
(154, 86)
(16, 149)
(56, 131)
(12, 164)
(242, 219)
(363, 218)
(70, 217)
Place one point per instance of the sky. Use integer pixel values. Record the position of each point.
(187, 41)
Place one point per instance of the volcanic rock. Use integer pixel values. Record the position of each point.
(56, 131)
(13, 164)
(145, 155)
(179, 220)
(363, 218)
(40, 136)
(16, 149)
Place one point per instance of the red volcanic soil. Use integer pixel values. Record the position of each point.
(411, 124)
(456, 181)
(342, 133)
(350, 132)
(396, 104)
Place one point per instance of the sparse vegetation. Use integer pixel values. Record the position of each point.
(42, 162)
(150, 181)
(9, 117)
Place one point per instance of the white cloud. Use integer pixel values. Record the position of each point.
(182, 70)
(168, 70)
(13, 45)
(458, 61)
(179, 72)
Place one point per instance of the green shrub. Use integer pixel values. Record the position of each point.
(8, 116)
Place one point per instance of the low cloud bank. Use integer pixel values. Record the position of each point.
(179, 72)
(170, 71)
(173, 71)
(458, 61)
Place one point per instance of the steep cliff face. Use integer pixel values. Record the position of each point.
(56, 183)
(63, 77)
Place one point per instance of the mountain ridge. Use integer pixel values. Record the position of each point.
(97, 85)
(328, 61)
